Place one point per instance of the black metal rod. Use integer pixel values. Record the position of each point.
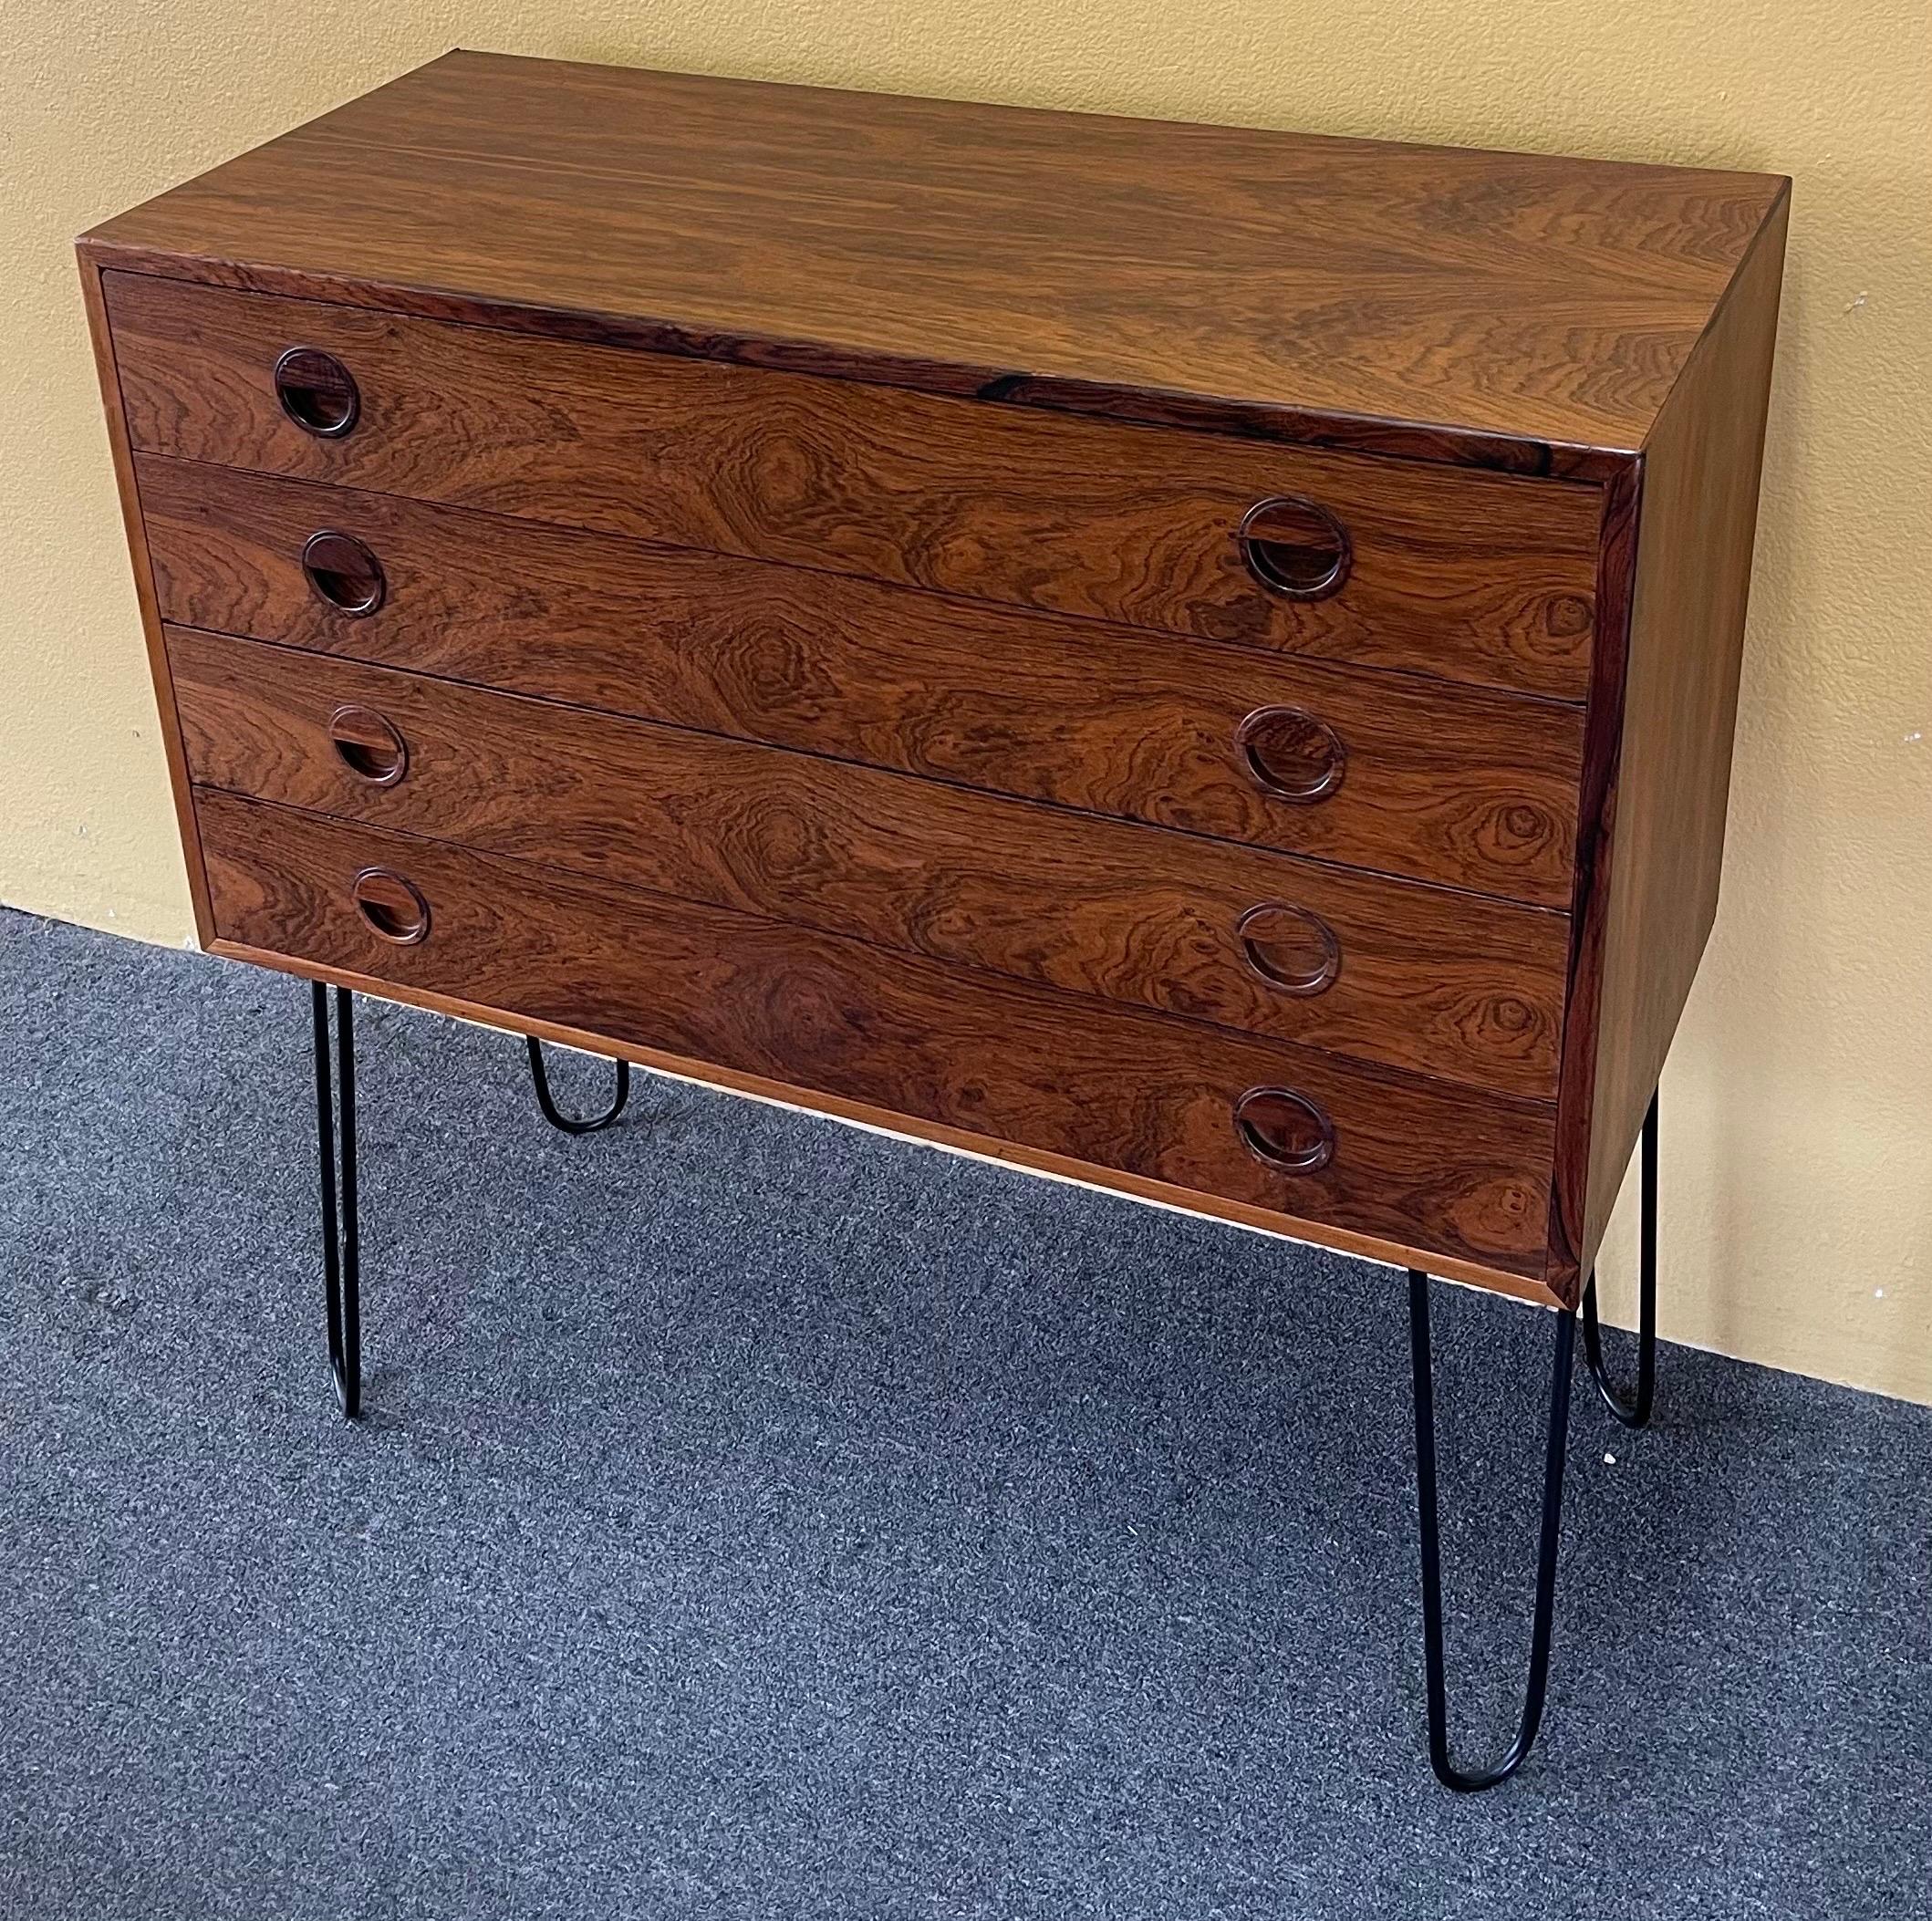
(336, 1143)
(1635, 1412)
(1466, 1781)
(564, 1121)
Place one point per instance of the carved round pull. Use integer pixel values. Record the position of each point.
(1291, 947)
(390, 906)
(317, 392)
(1291, 753)
(1284, 1130)
(1294, 548)
(343, 572)
(369, 745)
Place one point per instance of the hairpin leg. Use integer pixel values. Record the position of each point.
(564, 1121)
(1555, 1454)
(1633, 1413)
(341, 1251)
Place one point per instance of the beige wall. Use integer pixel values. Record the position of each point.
(1797, 1213)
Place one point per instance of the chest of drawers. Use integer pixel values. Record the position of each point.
(1198, 660)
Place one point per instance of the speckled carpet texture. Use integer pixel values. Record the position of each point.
(756, 1516)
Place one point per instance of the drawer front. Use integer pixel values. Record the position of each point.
(1456, 785)
(1441, 984)
(1459, 1174)
(1473, 576)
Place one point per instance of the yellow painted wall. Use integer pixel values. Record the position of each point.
(1797, 1213)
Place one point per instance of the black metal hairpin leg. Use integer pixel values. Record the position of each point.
(1554, 1454)
(564, 1121)
(336, 1137)
(1633, 1413)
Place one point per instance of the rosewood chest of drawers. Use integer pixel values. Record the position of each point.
(1194, 659)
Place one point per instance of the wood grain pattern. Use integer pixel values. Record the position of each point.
(1661, 753)
(1469, 789)
(126, 488)
(902, 1126)
(790, 444)
(1468, 576)
(1596, 820)
(1516, 310)
(1440, 983)
(1137, 1092)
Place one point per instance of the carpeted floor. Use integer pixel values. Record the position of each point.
(758, 1518)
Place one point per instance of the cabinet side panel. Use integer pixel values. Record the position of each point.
(104, 361)
(1596, 808)
(1697, 520)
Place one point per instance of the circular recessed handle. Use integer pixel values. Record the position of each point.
(369, 745)
(1291, 753)
(317, 392)
(343, 574)
(1284, 1130)
(390, 906)
(1291, 947)
(1294, 548)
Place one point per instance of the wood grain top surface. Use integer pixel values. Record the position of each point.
(1522, 312)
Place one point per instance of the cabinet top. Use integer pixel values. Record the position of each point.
(1515, 311)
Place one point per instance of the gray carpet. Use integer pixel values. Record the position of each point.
(760, 1518)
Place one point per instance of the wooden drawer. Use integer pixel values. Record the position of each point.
(1462, 1175)
(1473, 576)
(1420, 978)
(1455, 786)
